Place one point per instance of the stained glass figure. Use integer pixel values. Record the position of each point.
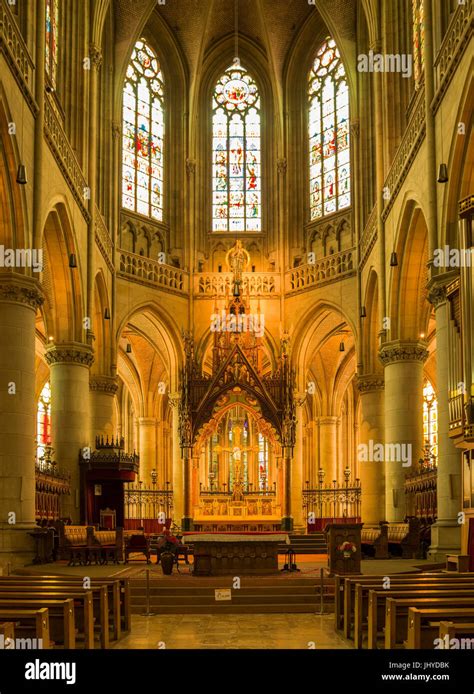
(51, 43)
(430, 424)
(43, 421)
(236, 153)
(329, 153)
(143, 134)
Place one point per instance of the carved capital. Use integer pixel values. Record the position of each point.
(437, 295)
(173, 399)
(392, 352)
(282, 166)
(103, 384)
(69, 353)
(355, 128)
(20, 289)
(369, 383)
(95, 54)
(116, 130)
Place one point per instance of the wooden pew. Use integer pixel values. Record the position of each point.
(449, 630)
(377, 612)
(61, 617)
(99, 595)
(83, 606)
(349, 586)
(36, 621)
(397, 614)
(7, 632)
(123, 592)
(423, 624)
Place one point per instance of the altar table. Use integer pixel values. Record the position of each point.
(242, 554)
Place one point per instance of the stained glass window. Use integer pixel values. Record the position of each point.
(143, 134)
(418, 40)
(262, 462)
(430, 425)
(329, 154)
(51, 44)
(43, 422)
(236, 153)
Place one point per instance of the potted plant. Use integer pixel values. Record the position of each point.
(167, 547)
(347, 549)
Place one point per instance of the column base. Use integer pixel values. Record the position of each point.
(445, 539)
(187, 524)
(16, 547)
(287, 523)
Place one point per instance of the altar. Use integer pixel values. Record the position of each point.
(235, 554)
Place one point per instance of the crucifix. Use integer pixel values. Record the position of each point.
(236, 453)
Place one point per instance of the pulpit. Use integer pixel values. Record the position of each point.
(344, 548)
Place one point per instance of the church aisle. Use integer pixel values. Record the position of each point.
(235, 631)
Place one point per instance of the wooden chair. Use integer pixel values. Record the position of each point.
(137, 544)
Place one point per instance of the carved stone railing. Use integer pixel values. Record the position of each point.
(406, 152)
(329, 269)
(16, 53)
(65, 157)
(143, 270)
(452, 47)
(104, 240)
(208, 284)
(368, 238)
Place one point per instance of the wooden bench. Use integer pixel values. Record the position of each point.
(405, 537)
(377, 607)
(449, 630)
(73, 543)
(457, 563)
(346, 586)
(137, 544)
(7, 634)
(423, 624)
(35, 622)
(377, 539)
(104, 545)
(61, 616)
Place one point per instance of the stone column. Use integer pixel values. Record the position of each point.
(177, 470)
(403, 406)
(328, 447)
(187, 520)
(287, 520)
(69, 367)
(446, 532)
(372, 474)
(20, 297)
(299, 524)
(147, 448)
(102, 394)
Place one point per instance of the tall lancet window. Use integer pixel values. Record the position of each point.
(43, 422)
(430, 425)
(143, 134)
(51, 44)
(329, 154)
(418, 40)
(236, 153)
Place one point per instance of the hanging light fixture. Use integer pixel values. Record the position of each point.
(341, 346)
(21, 175)
(129, 348)
(393, 259)
(72, 260)
(363, 312)
(443, 173)
(107, 314)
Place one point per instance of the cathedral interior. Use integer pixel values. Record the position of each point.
(236, 275)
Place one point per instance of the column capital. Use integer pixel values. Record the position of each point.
(20, 289)
(95, 54)
(173, 399)
(368, 383)
(147, 421)
(103, 384)
(328, 419)
(69, 353)
(405, 351)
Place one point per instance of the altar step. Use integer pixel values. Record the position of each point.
(294, 596)
(306, 544)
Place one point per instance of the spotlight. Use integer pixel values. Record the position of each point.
(72, 260)
(21, 174)
(107, 314)
(341, 346)
(363, 312)
(443, 173)
(393, 259)
(129, 348)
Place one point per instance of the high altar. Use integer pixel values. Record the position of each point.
(237, 419)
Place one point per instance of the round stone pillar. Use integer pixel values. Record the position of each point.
(328, 447)
(299, 524)
(69, 365)
(403, 406)
(371, 432)
(20, 298)
(147, 448)
(446, 532)
(102, 394)
(177, 469)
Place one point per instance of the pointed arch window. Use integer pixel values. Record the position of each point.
(430, 425)
(236, 153)
(43, 422)
(51, 42)
(418, 40)
(328, 123)
(143, 134)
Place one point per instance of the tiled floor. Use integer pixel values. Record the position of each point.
(240, 631)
